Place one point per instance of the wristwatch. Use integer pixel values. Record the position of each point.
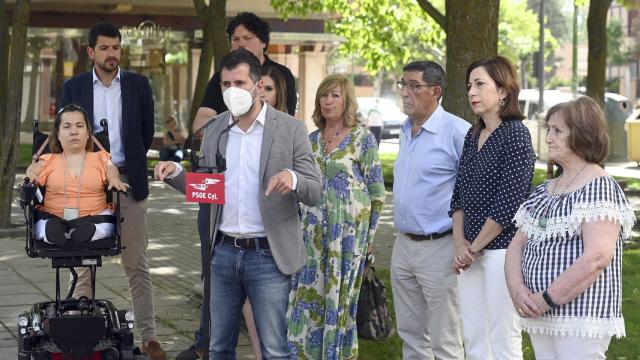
(548, 300)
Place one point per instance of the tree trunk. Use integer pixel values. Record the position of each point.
(10, 120)
(597, 59)
(83, 58)
(220, 42)
(204, 72)
(472, 34)
(59, 79)
(4, 64)
(214, 44)
(35, 47)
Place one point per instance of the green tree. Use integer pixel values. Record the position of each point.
(214, 46)
(385, 34)
(518, 31)
(12, 55)
(617, 53)
(557, 20)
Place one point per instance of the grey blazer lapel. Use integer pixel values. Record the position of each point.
(270, 126)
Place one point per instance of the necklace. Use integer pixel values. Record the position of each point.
(328, 142)
(542, 221)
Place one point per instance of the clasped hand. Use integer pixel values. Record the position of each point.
(464, 257)
(528, 304)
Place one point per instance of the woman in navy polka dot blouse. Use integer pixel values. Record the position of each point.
(493, 180)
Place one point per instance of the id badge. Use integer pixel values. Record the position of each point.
(70, 214)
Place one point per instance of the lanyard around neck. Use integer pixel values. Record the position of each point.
(66, 169)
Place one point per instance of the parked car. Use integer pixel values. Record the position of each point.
(616, 105)
(391, 113)
(528, 100)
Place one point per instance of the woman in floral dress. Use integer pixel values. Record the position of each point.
(339, 231)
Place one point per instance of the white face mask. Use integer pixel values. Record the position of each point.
(238, 100)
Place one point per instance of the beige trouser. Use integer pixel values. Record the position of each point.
(425, 296)
(135, 262)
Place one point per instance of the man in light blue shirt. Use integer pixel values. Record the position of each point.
(424, 286)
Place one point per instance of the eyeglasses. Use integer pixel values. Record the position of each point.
(413, 87)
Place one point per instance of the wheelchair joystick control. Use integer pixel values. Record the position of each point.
(28, 191)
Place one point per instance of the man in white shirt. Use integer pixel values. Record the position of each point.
(270, 169)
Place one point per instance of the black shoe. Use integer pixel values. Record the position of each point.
(83, 232)
(190, 354)
(55, 232)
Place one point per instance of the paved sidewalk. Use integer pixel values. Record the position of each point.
(174, 262)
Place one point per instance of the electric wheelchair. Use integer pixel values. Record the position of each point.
(69, 328)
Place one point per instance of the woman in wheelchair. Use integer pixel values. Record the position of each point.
(75, 178)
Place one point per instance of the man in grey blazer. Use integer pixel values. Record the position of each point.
(270, 169)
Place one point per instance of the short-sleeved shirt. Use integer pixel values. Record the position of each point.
(553, 226)
(213, 93)
(425, 171)
(92, 198)
(493, 182)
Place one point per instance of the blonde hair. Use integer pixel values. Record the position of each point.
(348, 93)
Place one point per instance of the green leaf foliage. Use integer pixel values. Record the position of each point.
(385, 34)
(378, 33)
(519, 31)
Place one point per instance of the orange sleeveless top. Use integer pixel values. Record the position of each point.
(92, 197)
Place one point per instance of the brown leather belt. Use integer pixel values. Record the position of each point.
(244, 243)
(435, 236)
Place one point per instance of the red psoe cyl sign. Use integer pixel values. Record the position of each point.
(204, 188)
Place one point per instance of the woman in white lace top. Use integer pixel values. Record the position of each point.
(563, 266)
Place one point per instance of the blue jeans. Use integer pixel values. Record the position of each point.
(235, 274)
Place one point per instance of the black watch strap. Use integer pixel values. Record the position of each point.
(548, 300)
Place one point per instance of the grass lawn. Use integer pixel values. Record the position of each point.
(387, 160)
(539, 175)
(626, 348)
(24, 157)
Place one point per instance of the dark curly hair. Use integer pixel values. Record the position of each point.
(253, 23)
